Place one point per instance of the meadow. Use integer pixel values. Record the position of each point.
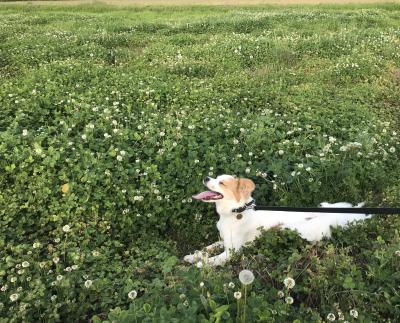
(111, 116)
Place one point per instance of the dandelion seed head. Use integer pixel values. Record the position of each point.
(246, 277)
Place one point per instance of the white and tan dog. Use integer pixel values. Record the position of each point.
(237, 228)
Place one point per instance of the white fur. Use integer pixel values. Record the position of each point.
(234, 233)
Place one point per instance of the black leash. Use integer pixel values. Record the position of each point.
(360, 210)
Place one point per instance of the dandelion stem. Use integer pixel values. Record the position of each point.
(238, 310)
(245, 303)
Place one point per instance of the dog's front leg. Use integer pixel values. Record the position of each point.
(202, 256)
(215, 245)
(218, 260)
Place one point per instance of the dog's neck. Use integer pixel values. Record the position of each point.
(225, 209)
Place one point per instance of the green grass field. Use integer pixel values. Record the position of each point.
(111, 116)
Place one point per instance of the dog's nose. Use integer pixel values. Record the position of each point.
(206, 179)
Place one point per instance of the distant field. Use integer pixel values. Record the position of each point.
(202, 2)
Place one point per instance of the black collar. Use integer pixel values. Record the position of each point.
(246, 206)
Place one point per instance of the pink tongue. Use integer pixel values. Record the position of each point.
(204, 195)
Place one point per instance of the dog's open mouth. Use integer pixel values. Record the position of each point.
(208, 196)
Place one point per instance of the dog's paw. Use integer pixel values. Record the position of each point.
(190, 259)
(196, 257)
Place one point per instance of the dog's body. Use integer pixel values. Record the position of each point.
(237, 228)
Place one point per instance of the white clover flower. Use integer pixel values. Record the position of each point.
(308, 169)
(66, 228)
(53, 298)
(237, 295)
(281, 294)
(392, 149)
(235, 141)
(95, 253)
(289, 282)
(246, 277)
(300, 166)
(122, 152)
(397, 253)
(4, 288)
(332, 139)
(59, 277)
(25, 264)
(340, 316)
(36, 245)
(289, 300)
(132, 294)
(354, 313)
(14, 297)
(196, 161)
(182, 296)
(280, 152)
(247, 170)
(13, 279)
(84, 137)
(88, 283)
(24, 132)
(331, 317)
(231, 285)
(201, 284)
(119, 158)
(74, 267)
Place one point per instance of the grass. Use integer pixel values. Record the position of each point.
(200, 2)
(111, 116)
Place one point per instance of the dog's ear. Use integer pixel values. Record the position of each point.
(246, 187)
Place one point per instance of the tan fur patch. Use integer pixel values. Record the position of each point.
(231, 185)
(238, 187)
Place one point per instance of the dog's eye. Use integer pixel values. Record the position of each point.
(221, 183)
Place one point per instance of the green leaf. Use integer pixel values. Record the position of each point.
(146, 307)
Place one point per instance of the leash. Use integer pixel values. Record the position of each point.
(359, 210)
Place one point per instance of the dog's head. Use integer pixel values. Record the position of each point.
(226, 188)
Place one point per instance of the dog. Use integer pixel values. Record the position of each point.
(239, 223)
